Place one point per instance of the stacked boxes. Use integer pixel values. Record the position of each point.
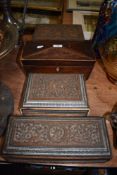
(54, 127)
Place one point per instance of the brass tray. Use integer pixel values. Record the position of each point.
(57, 139)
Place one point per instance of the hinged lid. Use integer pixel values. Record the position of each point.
(57, 53)
(55, 93)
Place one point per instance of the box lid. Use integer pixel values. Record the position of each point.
(55, 91)
(58, 32)
(57, 53)
(54, 139)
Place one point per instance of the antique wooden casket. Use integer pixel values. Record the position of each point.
(54, 94)
(57, 49)
(52, 140)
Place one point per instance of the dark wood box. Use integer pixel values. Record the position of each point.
(57, 57)
(52, 94)
(56, 140)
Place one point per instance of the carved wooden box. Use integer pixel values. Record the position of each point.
(54, 94)
(62, 53)
(56, 140)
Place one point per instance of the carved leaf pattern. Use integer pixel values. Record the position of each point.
(57, 133)
(48, 86)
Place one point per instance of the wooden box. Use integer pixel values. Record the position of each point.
(56, 140)
(57, 57)
(54, 94)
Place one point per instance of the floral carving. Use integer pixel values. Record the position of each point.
(44, 133)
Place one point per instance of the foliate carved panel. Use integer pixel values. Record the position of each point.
(86, 132)
(55, 86)
(57, 133)
(55, 91)
(56, 138)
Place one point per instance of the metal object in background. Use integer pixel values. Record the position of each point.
(8, 38)
(7, 13)
(24, 13)
(6, 106)
(10, 28)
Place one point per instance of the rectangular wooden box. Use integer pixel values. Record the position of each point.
(54, 94)
(56, 140)
(57, 57)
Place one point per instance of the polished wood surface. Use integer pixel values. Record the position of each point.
(72, 57)
(102, 95)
